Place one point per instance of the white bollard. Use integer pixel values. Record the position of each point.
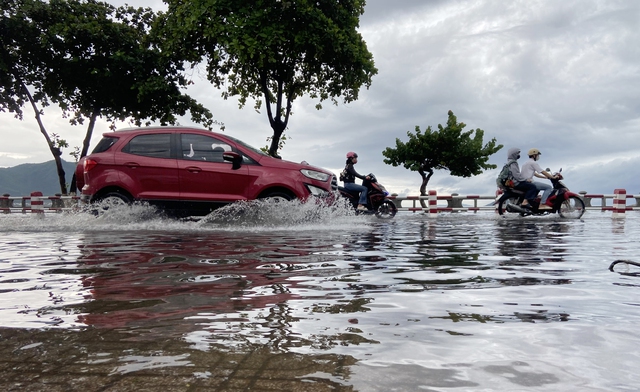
(37, 203)
(433, 204)
(619, 203)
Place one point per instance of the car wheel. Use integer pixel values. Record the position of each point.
(278, 196)
(114, 198)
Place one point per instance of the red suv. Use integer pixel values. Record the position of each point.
(190, 171)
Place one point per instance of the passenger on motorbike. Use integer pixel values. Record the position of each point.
(350, 178)
(530, 169)
(520, 182)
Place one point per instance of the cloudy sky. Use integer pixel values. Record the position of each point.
(563, 77)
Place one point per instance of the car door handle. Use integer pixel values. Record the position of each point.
(132, 165)
(193, 169)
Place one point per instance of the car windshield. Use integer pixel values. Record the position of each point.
(248, 147)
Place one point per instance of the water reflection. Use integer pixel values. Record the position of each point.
(462, 301)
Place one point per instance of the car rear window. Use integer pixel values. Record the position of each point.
(156, 145)
(104, 144)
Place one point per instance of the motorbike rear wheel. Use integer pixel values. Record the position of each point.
(502, 206)
(572, 208)
(386, 210)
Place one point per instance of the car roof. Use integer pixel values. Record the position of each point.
(172, 129)
(163, 128)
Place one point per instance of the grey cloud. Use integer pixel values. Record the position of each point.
(559, 76)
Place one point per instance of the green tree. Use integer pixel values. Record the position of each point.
(95, 60)
(462, 153)
(20, 67)
(106, 64)
(273, 50)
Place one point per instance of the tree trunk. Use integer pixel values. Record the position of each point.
(85, 146)
(277, 123)
(278, 128)
(55, 151)
(423, 186)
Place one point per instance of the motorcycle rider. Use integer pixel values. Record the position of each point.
(530, 169)
(520, 182)
(350, 178)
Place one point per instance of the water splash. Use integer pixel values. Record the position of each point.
(256, 215)
(273, 213)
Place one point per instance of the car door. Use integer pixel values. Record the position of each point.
(204, 175)
(147, 168)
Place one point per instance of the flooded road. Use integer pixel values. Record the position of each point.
(316, 300)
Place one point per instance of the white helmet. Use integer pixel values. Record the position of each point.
(534, 151)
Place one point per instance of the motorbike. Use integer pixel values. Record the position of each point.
(377, 201)
(562, 201)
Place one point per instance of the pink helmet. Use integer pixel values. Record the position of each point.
(351, 154)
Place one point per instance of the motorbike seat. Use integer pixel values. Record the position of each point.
(514, 190)
(350, 192)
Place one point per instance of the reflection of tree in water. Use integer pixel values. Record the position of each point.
(536, 316)
(453, 248)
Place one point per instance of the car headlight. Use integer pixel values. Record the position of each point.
(315, 191)
(315, 175)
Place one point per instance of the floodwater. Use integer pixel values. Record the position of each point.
(305, 298)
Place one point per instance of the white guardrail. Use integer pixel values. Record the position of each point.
(37, 203)
(432, 203)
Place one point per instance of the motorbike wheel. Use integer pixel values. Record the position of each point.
(386, 210)
(502, 207)
(572, 208)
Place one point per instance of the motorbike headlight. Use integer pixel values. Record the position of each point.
(315, 175)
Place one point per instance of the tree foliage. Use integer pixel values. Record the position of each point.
(273, 50)
(20, 67)
(105, 62)
(18, 52)
(93, 60)
(451, 148)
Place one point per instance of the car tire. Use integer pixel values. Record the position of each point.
(115, 198)
(278, 196)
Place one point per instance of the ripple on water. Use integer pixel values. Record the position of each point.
(456, 300)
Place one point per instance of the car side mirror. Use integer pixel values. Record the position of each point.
(234, 158)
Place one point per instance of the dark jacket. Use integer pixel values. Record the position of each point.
(352, 174)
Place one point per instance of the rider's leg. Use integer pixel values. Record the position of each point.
(363, 196)
(547, 188)
(352, 186)
(530, 191)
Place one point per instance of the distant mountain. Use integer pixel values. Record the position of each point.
(23, 179)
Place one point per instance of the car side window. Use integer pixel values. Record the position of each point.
(157, 145)
(203, 148)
